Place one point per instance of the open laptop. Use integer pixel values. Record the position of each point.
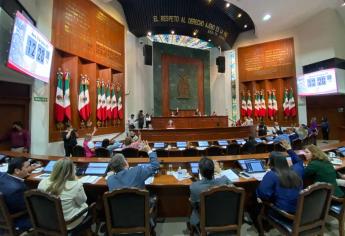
(96, 168)
(159, 145)
(181, 145)
(49, 167)
(98, 144)
(240, 141)
(223, 143)
(341, 151)
(269, 139)
(202, 145)
(252, 166)
(258, 140)
(194, 166)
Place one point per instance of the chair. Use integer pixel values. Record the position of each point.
(311, 212)
(270, 147)
(47, 218)
(7, 219)
(233, 149)
(162, 152)
(102, 152)
(78, 151)
(127, 212)
(214, 151)
(190, 152)
(175, 153)
(278, 148)
(130, 152)
(142, 154)
(260, 148)
(337, 210)
(297, 144)
(221, 211)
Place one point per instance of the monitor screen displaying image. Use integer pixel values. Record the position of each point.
(203, 144)
(194, 166)
(98, 165)
(49, 168)
(223, 142)
(181, 144)
(158, 145)
(98, 144)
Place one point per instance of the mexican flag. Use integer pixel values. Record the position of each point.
(87, 101)
(262, 105)
(292, 106)
(59, 101)
(99, 102)
(108, 103)
(249, 106)
(257, 105)
(274, 104)
(286, 103)
(67, 101)
(119, 105)
(244, 106)
(270, 107)
(82, 102)
(104, 104)
(114, 110)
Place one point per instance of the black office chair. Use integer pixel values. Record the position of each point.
(214, 151)
(233, 149)
(260, 148)
(127, 211)
(102, 152)
(161, 152)
(221, 211)
(337, 210)
(311, 212)
(190, 152)
(78, 151)
(47, 218)
(130, 152)
(142, 154)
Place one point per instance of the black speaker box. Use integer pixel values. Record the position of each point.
(147, 52)
(220, 62)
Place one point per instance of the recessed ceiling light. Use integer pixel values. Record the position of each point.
(266, 17)
(239, 15)
(245, 26)
(172, 32)
(343, 4)
(227, 5)
(149, 33)
(209, 40)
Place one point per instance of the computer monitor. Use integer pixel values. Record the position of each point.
(181, 144)
(98, 144)
(194, 166)
(341, 151)
(49, 168)
(159, 145)
(95, 168)
(240, 141)
(203, 144)
(223, 142)
(269, 138)
(243, 165)
(98, 165)
(255, 166)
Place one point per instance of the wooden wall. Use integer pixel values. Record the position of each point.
(90, 42)
(267, 66)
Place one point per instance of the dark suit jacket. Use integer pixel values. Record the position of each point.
(13, 191)
(200, 186)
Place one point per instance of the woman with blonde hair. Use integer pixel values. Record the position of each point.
(320, 169)
(64, 184)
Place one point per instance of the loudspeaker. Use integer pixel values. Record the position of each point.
(220, 62)
(147, 52)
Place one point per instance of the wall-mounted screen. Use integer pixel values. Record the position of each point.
(30, 52)
(317, 83)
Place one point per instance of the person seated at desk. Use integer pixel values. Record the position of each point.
(248, 121)
(13, 187)
(249, 146)
(125, 177)
(206, 169)
(134, 142)
(262, 129)
(320, 169)
(277, 129)
(89, 145)
(106, 143)
(171, 124)
(18, 137)
(63, 183)
(282, 184)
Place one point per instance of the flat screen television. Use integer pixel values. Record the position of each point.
(317, 83)
(30, 51)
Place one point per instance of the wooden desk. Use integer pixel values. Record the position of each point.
(171, 135)
(196, 122)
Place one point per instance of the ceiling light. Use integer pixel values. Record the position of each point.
(266, 17)
(227, 5)
(343, 4)
(149, 33)
(209, 40)
(245, 26)
(194, 33)
(239, 15)
(172, 32)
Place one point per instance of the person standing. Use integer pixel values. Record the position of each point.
(69, 136)
(148, 120)
(18, 137)
(325, 128)
(141, 119)
(131, 122)
(89, 145)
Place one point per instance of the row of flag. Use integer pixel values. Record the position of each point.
(260, 109)
(109, 99)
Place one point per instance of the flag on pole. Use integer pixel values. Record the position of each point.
(99, 101)
(87, 99)
(274, 104)
(67, 101)
(108, 103)
(270, 107)
(104, 105)
(292, 106)
(286, 103)
(82, 101)
(262, 105)
(257, 105)
(249, 105)
(59, 101)
(244, 106)
(119, 104)
(114, 110)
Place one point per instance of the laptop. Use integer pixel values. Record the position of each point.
(194, 166)
(243, 165)
(49, 168)
(223, 143)
(240, 141)
(341, 151)
(181, 144)
(258, 140)
(255, 166)
(98, 144)
(159, 145)
(95, 168)
(202, 145)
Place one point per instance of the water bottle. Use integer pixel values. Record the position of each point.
(170, 169)
(179, 173)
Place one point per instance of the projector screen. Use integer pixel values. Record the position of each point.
(30, 52)
(317, 83)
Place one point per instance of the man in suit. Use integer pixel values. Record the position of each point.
(13, 187)
(206, 169)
